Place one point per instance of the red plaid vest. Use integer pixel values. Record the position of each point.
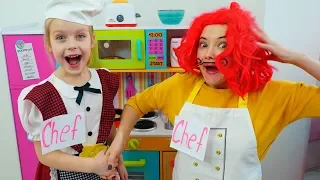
(50, 104)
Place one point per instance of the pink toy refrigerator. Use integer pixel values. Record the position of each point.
(27, 63)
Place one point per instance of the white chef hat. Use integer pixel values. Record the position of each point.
(77, 11)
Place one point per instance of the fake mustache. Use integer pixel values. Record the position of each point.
(200, 62)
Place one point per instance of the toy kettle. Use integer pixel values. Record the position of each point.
(121, 14)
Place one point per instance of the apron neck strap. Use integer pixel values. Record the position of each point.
(195, 91)
(242, 102)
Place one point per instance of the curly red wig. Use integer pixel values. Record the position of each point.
(248, 69)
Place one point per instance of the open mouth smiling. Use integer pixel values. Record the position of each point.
(73, 59)
(211, 67)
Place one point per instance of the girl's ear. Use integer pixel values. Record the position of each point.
(49, 49)
(48, 46)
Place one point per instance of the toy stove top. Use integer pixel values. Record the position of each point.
(150, 115)
(146, 122)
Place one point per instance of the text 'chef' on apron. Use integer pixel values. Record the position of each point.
(231, 152)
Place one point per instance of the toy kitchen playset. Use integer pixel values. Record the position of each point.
(142, 56)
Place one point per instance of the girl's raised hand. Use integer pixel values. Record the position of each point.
(276, 52)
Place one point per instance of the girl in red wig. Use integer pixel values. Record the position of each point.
(228, 88)
(242, 62)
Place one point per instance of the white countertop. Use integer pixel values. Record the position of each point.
(159, 131)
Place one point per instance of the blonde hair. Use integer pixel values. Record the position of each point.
(47, 42)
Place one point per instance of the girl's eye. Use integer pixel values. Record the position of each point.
(81, 36)
(223, 45)
(60, 37)
(203, 45)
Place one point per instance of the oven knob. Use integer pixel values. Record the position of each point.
(133, 144)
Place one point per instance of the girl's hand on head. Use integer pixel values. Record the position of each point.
(276, 52)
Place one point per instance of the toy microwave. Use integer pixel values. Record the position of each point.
(119, 49)
(130, 49)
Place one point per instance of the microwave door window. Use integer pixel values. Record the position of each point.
(114, 49)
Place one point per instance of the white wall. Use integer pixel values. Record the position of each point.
(15, 12)
(276, 165)
(293, 23)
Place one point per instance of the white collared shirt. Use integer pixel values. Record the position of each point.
(91, 105)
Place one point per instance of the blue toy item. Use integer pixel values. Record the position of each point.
(171, 17)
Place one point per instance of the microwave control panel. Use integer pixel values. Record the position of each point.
(156, 49)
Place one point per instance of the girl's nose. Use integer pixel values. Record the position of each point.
(209, 55)
(72, 48)
(72, 45)
(210, 52)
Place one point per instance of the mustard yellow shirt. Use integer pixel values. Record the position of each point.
(271, 109)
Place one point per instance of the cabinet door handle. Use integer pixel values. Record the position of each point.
(139, 49)
(172, 163)
(139, 163)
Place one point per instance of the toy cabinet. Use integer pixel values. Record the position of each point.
(159, 146)
(142, 165)
(27, 156)
(168, 164)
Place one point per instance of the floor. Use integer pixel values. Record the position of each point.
(312, 175)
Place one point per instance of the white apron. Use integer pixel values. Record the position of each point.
(231, 152)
